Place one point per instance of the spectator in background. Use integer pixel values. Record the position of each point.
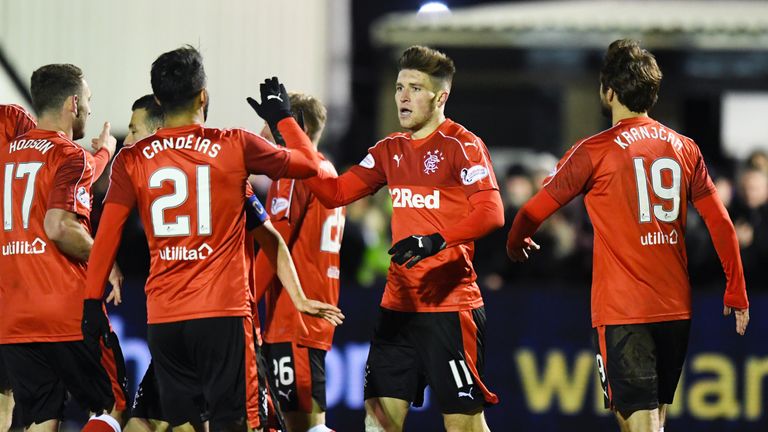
(751, 223)
(758, 159)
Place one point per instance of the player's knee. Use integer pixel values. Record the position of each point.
(472, 422)
(371, 423)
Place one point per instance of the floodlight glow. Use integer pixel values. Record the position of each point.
(434, 7)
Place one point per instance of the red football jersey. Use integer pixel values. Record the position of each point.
(314, 240)
(14, 121)
(189, 184)
(637, 178)
(429, 180)
(41, 294)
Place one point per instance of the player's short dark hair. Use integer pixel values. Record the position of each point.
(632, 73)
(153, 109)
(52, 84)
(430, 61)
(177, 77)
(312, 110)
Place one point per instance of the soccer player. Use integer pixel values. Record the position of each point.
(637, 178)
(14, 121)
(444, 196)
(146, 412)
(188, 182)
(313, 233)
(46, 242)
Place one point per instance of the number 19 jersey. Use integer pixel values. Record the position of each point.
(637, 178)
(189, 185)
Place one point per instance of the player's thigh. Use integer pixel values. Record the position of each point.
(393, 368)
(671, 339)
(225, 355)
(37, 389)
(175, 372)
(451, 348)
(626, 360)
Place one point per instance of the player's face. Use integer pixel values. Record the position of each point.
(139, 127)
(416, 97)
(83, 111)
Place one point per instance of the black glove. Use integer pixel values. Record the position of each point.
(95, 322)
(275, 104)
(279, 140)
(416, 247)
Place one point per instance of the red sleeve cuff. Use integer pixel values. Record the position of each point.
(530, 217)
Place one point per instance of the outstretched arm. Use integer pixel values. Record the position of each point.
(274, 247)
(527, 221)
(726, 244)
(334, 191)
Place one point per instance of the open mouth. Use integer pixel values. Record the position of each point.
(405, 112)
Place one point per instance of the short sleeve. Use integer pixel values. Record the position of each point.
(14, 121)
(571, 176)
(264, 157)
(371, 168)
(701, 182)
(473, 166)
(121, 189)
(71, 189)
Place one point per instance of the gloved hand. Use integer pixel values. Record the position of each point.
(95, 323)
(279, 140)
(416, 247)
(275, 104)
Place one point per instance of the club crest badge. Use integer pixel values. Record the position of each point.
(432, 160)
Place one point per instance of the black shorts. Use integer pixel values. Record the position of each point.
(442, 349)
(5, 380)
(640, 364)
(299, 375)
(146, 403)
(215, 357)
(42, 374)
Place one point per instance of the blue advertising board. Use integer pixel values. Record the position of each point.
(540, 363)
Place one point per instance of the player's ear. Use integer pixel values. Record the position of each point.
(157, 100)
(203, 97)
(442, 97)
(71, 104)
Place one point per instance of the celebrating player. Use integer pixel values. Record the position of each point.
(636, 178)
(14, 121)
(146, 413)
(444, 196)
(188, 182)
(313, 233)
(46, 242)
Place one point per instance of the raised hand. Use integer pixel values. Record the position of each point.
(105, 140)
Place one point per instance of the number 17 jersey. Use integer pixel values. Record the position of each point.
(189, 185)
(637, 178)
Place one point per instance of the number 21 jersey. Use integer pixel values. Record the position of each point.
(189, 185)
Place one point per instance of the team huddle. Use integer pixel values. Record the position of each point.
(216, 365)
